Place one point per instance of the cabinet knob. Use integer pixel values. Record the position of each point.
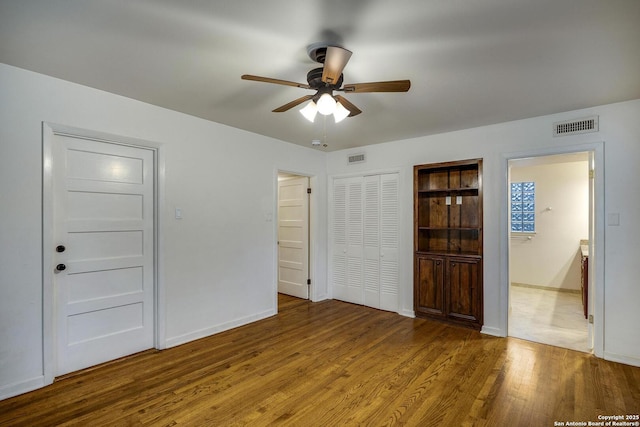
(60, 248)
(61, 267)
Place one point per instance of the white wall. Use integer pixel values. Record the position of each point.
(551, 257)
(219, 260)
(620, 131)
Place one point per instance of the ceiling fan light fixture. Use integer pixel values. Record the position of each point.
(309, 111)
(340, 113)
(326, 104)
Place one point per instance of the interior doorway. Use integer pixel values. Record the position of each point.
(293, 265)
(551, 223)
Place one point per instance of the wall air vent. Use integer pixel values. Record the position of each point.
(573, 127)
(356, 158)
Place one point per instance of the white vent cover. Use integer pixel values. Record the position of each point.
(573, 127)
(356, 158)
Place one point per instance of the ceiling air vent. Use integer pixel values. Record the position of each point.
(356, 158)
(573, 127)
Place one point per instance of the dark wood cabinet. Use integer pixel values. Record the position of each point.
(429, 292)
(448, 241)
(465, 289)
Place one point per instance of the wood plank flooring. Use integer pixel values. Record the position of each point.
(334, 363)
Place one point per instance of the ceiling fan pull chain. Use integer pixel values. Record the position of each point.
(324, 130)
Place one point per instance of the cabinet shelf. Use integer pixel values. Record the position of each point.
(437, 191)
(450, 253)
(448, 242)
(449, 228)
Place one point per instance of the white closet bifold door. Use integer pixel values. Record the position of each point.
(347, 240)
(372, 241)
(354, 241)
(365, 236)
(389, 241)
(339, 238)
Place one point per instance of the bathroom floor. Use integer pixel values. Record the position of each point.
(548, 317)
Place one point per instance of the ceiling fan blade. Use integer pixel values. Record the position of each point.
(334, 62)
(391, 86)
(276, 81)
(292, 104)
(349, 106)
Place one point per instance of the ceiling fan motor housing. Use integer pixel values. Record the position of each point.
(314, 78)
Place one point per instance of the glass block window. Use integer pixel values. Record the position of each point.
(523, 207)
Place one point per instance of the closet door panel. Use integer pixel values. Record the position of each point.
(354, 241)
(339, 238)
(372, 241)
(389, 241)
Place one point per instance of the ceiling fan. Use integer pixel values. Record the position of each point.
(327, 79)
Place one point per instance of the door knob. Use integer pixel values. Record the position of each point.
(60, 248)
(61, 267)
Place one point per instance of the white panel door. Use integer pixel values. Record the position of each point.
(103, 229)
(389, 242)
(372, 241)
(293, 237)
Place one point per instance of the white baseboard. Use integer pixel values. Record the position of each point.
(21, 387)
(496, 332)
(627, 360)
(407, 313)
(319, 298)
(211, 330)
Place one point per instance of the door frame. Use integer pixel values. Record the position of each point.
(49, 325)
(313, 233)
(307, 215)
(596, 242)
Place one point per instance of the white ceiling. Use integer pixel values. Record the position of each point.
(471, 63)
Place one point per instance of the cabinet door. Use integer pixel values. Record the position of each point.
(429, 286)
(464, 277)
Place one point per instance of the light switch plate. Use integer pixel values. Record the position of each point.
(178, 213)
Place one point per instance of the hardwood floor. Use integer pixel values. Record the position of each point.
(333, 363)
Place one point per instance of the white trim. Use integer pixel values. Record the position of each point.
(48, 332)
(627, 360)
(211, 330)
(496, 332)
(407, 313)
(49, 130)
(14, 389)
(598, 281)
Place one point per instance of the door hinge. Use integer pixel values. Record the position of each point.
(592, 173)
(591, 318)
(308, 191)
(308, 281)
